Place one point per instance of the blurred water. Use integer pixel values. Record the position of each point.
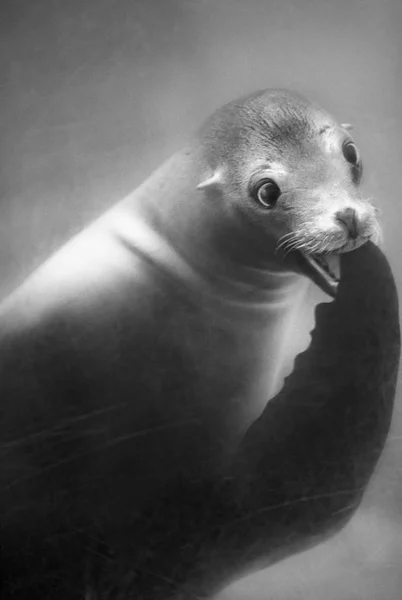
(95, 94)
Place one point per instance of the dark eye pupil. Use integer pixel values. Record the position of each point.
(268, 193)
(350, 153)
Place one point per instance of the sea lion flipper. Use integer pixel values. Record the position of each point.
(306, 461)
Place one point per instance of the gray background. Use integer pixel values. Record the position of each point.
(96, 93)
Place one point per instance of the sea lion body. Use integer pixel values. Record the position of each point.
(141, 352)
(118, 334)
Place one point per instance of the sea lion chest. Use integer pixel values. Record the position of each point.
(179, 352)
(125, 361)
(218, 356)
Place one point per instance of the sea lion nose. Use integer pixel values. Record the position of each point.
(348, 218)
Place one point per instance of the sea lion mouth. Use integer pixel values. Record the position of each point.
(323, 269)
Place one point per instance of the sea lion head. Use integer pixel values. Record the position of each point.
(286, 167)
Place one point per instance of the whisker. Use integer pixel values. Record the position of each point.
(285, 239)
(294, 245)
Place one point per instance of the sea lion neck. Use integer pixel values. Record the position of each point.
(219, 251)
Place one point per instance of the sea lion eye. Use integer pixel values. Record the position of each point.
(266, 192)
(350, 152)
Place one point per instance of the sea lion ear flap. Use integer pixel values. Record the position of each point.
(213, 181)
(347, 126)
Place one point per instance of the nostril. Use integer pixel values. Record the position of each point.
(348, 218)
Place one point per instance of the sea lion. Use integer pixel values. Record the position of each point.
(137, 357)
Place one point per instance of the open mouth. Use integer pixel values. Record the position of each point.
(323, 269)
